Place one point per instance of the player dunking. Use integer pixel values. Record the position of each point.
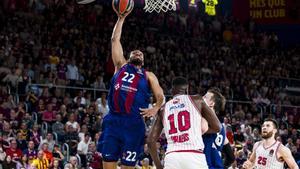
(129, 95)
(181, 119)
(216, 143)
(269, 153)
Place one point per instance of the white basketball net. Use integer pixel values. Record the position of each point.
(159, 5)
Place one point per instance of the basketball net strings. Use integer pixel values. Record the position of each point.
(159, 5)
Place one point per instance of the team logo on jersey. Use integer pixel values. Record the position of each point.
(140, 71)
(176, 100)
(117, 86)
(177, 106)
(271, 153)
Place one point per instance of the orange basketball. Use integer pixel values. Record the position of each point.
(123, 6)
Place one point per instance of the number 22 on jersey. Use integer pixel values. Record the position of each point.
(128, 77)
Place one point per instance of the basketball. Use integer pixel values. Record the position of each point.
(84, 1)
(122, 6)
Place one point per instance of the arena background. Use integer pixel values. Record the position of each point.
(55, 68)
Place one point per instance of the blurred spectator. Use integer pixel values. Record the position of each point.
(99, 83)
(72, 139)
(82, 149)
(56, 164)
(94, 158)
(248, 134)
(49, 141)
(14, 152)
(47, 154)
(21, 142)
(2, 152)
(145, 164)
(72, 73)
(73, 163)
(49, 115)
(57, 155)
(30, 152)
(147, 155)
(81, 97)
(35, 135)
(84, 131)
(255, 135)
(8, 162)
(240, 158)
(59, 128)
(289, 143)
(102, 104)
(239, 137)
(24, 163)
(72, 123)
(40, 162)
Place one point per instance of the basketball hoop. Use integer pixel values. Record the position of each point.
(159, 5)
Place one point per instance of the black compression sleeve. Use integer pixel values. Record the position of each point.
(229, 155)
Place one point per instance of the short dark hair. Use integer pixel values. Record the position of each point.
(273, 121)
(179, 81)
(218, 98)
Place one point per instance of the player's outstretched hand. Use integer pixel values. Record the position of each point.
(150, 112)
(247, 164)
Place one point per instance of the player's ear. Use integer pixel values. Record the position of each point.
(212, 104)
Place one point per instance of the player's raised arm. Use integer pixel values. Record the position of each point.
(116, 46)
(158, 94)
(152, 138)
(208, 114)
(288, 157)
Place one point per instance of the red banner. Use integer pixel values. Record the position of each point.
(267, 11)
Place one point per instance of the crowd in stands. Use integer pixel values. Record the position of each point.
(62, 43)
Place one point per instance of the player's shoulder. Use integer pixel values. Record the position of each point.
(149, 73)
(196, 97)
(282, 149)
(120, 67)
(257, 144)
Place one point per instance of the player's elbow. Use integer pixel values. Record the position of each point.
(114, 39)
(161, 97)
(150, 141)
(216, 128)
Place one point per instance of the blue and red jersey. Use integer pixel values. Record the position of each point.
(129, 91)
(213, 149)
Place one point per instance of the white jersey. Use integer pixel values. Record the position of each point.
(266, 158)
(182, 125)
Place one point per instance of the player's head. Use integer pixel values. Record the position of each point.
(136, 58)
(269, 128)
(215, 100)
(180, 85)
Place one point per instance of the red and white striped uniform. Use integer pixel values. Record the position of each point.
(266, 157)
(182, 125)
